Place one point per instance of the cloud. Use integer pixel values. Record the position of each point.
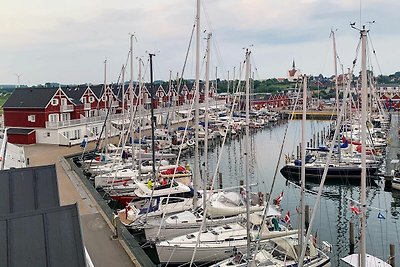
(46, 41)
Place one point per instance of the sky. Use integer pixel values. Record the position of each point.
(68, 41)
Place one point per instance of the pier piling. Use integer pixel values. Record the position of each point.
(392, 261)
(314, 141)
(307, 216)
(351, 237)
(220, 179)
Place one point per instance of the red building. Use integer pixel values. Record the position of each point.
(66, 115)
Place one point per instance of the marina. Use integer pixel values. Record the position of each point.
(208, 166)
(332, 226)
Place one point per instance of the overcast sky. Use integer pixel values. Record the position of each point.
(68, 41)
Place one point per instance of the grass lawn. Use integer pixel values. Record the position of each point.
(2, 101)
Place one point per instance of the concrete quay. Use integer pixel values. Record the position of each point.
(103, 250)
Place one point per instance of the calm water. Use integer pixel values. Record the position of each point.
(334, 215)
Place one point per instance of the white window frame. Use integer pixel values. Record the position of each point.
(54, 117)
(32, 118)
(91, 99)
(54, 102)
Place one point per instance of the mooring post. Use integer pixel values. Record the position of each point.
(392, 261)
(220, 179)
(307, 216)
(351, 238)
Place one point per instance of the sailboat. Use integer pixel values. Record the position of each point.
(342, 169)
(215, 244)
(362, 258)
(285, 250)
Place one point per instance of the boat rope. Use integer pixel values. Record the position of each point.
(216, 169)
(268, 200)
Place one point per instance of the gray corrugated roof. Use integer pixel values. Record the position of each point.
(98, 90)
(75, 93)
(19, 131)
(33, 97)
(28, 189)
(49, 237)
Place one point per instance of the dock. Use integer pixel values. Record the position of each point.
(96, 230)
(325, 114)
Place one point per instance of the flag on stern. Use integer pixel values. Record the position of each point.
(277, 201)
(354, 209)
(287, 217)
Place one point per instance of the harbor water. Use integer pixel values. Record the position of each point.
(334, 214)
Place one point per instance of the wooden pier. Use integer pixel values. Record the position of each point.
(326, 114)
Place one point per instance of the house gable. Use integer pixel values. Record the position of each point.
(58, 99)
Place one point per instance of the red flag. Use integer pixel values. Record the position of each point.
(354, 209)
(279, 199)
(287, 217)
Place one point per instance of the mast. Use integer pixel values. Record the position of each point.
(206, 98)
(247, 150)
(227, 90)
(107, 106)
(336, 87)
(139, 98)
(303, 167)
(131, 99)
(122, 137)
(336, 72)
(153, 121)
(216, 84)
(196, 173)
(364, 92)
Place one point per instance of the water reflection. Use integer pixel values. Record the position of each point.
(334, 215)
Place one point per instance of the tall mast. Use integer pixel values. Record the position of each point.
(247, 150)
(131, 98)
(336, 86)
(153, 121)
(303, 166)
(122, 137)
(106, 106)
(196, 173)
(364, 92)
(206, 98)
(139, 98)
(336, 72)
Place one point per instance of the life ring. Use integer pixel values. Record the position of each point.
(190, 142)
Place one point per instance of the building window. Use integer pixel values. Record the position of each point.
(53, 117)
(65, 116)
(77, 134)
(64, 101)
(48, 134)
(84, 100)
(91, 99)
(66, 134)
(54, 102)
(31, 118)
